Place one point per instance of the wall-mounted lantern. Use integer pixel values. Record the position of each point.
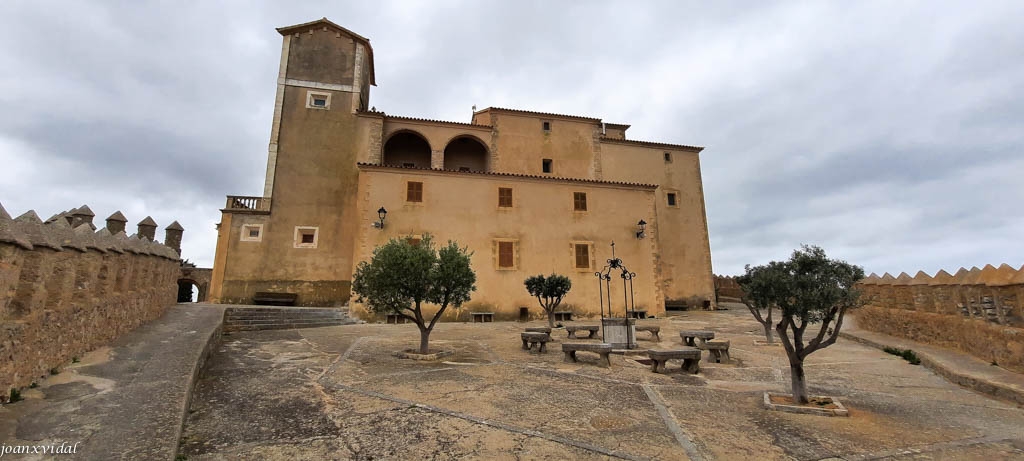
(643, 227)
(381, 214)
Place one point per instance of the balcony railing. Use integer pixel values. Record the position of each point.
(240, 203)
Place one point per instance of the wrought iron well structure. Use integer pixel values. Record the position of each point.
(626, 326)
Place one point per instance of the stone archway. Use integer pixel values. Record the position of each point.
(194, 276)
(466, 153)
(407, 148)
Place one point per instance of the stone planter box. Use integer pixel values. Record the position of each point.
(840, 410)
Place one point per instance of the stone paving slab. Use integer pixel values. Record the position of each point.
(339, 393)
(125, 401)
(958, 367)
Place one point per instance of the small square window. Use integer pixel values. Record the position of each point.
(414, 192)
(318, 100)
(306, 237)
(546, 165)
(409, 165)
(505, 197)
(582, 255)
(506, 255)
(546, 125)
(671, 199)
(252, 233)
(668, 157)
(579, 201)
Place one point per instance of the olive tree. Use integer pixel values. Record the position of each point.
(760, 285)
(808, 289)
(549, 292)
(402, 276)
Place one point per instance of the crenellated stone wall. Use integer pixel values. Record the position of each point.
(994, 294)
(977, 311)
(727, 287)
(66, 288)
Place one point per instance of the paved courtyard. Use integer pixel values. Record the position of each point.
(339, 393)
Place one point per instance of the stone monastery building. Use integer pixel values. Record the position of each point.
(528, 192)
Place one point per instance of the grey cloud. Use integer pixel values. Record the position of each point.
(887, 133)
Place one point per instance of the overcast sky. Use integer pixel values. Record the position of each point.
(889, 133)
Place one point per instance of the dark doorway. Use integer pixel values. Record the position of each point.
(188, 291)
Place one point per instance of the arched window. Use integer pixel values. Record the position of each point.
(407, 148)
(465, 153)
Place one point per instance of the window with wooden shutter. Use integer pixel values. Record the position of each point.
(582, 256)
(506, 255)
(414, 192)
(579, 201)
(505, 197)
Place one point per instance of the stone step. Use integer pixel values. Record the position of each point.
(283, 326)
(279, 317)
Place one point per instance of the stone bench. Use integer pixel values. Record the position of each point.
(483, 317)
(603, 349)
(689, 355)
(395, 318)
(700, 335)
(531, 338)
(637, 314)
(562, 316)
(572, 329)
(265, 298)
(546, 330)
(719, 350)
(654, 329)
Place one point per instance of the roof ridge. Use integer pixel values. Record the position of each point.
(650, 143)
(517, 175)
(531, 112)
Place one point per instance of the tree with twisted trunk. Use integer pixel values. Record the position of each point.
(402, 275)
(807, 289)
(549, 292)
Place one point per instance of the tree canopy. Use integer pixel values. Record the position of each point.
(549, 292)
(807, 289)
(402, 276)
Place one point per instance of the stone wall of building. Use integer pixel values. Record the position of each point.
(974, 310)
(66, 288)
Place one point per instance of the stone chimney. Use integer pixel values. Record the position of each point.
(147, 228)
(116, 222)
(82, 215)
(172, 236)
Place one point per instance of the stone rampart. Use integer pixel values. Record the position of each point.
(977, 311)
(66, 288)
(994, 294)
(727, 287)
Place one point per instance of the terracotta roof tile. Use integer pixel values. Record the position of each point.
(650, 144)
(516, 175)
(542, 114)
(427, 120)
